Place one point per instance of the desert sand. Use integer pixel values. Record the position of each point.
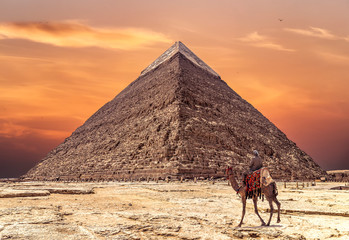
(141, 210)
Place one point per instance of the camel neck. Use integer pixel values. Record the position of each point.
(234, 183)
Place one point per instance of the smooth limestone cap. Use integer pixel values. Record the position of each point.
(179, 47)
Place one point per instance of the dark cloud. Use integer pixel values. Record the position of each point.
(51, 27)
(55, 123)
(76, 34)
(331, 155)
(19, 154)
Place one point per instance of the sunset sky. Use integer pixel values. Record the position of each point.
(60, 61)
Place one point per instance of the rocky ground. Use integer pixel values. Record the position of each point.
(202, 210)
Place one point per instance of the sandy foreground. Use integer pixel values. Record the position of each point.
(202, 210)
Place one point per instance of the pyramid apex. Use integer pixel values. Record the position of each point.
(178, 46)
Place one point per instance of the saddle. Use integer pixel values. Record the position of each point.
(266, 179)
(255, 180)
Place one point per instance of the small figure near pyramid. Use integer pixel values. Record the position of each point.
(256, 183)
(254, 186)
(256, 162)
(178, 119)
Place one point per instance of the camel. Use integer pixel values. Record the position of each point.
(270, 193)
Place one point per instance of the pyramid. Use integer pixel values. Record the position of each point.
(177, 119)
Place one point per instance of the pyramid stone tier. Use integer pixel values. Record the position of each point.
(178, 119)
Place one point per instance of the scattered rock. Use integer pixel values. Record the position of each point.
(11, 193)
(71, 190)
(340, 188)
(253, 234)
(295, 236)
(238, 234)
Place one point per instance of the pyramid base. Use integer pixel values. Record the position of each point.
(136, 175)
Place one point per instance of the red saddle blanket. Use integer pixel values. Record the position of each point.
(253, 185)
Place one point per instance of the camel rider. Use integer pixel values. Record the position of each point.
(256, 162)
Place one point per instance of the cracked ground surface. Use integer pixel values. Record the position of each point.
(167, 211)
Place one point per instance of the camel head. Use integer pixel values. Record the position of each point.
(229, 171)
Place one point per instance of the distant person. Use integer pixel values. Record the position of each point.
(256, 162)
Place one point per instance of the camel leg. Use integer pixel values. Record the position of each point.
(271, 210)
(243, 209)
(255, 199)
(278, 205)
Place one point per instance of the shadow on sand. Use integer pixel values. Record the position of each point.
(258, 227)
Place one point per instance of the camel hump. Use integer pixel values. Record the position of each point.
(266, 179)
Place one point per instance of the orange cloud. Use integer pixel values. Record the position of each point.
(51, 127)
(333, 57)
(257, 40)
(75, 34)
(316, 32)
